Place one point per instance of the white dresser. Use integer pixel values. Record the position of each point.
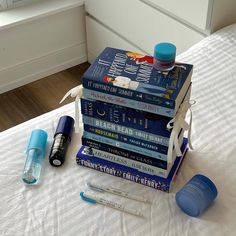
(140, 24)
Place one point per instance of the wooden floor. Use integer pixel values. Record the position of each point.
(39, 97)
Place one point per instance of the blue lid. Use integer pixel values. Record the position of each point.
(209, 183)
(65, 126)
(38, 140)
(165, 51)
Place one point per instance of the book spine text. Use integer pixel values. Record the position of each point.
(160, 149)
(129, 103)
(126, 146)
(120, 115)
(123, 172)
(123, 130)
(148, 169)
(125, 153)
(126, 93)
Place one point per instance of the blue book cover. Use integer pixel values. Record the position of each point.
(145, 168)
(85, 159)
(143, 106)
(136, 119)
(131, 75)
(127, 139)
(108, 126)
(127, 146)
(125, 153)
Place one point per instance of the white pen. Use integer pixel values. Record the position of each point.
(95, 199)
(116, 191)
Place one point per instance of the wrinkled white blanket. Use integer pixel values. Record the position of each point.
(55, 208)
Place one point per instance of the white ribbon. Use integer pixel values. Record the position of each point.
(177, 123)
(76, 92)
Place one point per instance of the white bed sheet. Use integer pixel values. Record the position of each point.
(55, 208)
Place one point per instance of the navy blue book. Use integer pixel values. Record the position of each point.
(124, 145)
(135, 133)
(87, 159)
(127, 139)
(125, 153)
(131, 76)
(125, 116)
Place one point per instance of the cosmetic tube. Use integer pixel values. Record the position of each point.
(35, 157)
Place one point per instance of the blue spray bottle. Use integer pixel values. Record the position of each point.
(35, 157)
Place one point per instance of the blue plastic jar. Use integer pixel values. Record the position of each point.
(164, 56)
(196, 195)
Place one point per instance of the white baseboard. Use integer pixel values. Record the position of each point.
(43, 66)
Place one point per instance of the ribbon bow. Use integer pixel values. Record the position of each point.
(177, 123)
(76, 92)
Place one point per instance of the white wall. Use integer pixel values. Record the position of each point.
(41, 47)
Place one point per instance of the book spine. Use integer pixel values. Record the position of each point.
(128, 173)
(136, 119)
(122, 171)
(125, 153)
(95, 95)
(127, 93)
(160, 149)
(108, 126)
(126, 146)
(148, 169)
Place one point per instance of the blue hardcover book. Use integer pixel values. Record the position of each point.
(125, 153)
(131, 76)
(127, 139)
(113, 127)
(86, 159)
(126, 102)
(127, 146)
(136, 119)
(145, 168)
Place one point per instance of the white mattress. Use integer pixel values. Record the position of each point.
(55, 208)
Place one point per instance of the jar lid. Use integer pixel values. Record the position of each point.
(165, 51)
(208, 182)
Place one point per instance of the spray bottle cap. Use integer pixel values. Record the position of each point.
(65, 126)
(38, 140)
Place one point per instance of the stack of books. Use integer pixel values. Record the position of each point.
(127, 106)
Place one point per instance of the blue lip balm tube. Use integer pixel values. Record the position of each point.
(35, 157)
(196, 195)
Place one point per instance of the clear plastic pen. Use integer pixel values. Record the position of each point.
(116, 191)
(95, 199)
